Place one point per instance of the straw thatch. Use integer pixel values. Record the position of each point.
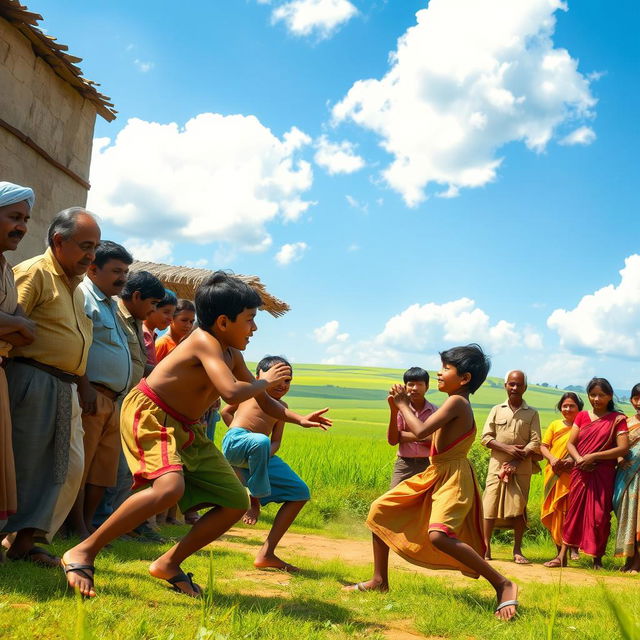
(55, 54)
(185, 280)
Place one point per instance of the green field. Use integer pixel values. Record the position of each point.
(346, 468)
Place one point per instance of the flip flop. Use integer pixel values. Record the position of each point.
(81, 569)
(555, 564)
(359, 586)
(523, 560)
(184, 577)
(507, 603)
(285, 566)
(28, 556)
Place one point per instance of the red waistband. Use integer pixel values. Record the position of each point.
(144, 388)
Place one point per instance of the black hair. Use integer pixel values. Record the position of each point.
(605, 385)
(184, 305)
(468, 359)
(268, 361)
(222, 294)
(109, 250)
(635, 391)
(416, 374)
(169, 298)
(570, 395)
(146, 283)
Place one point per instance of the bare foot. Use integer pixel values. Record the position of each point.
(555, 563)
(574, 554)
(518, 558)
(253, 512)
(79, 571)
(169, 571)
(369, 585)
(273, 562)
(508, 592)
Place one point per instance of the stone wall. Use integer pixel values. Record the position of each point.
(40, 104)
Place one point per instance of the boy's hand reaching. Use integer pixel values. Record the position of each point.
(316, 419)
(276, 374)
(399, 395)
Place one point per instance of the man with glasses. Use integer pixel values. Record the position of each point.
(42, 379)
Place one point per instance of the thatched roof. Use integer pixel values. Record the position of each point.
(185, 280)
(54, 54)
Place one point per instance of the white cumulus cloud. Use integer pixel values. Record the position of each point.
(606, 322)
(330, 332)
(467, 79)
(581, 135)
(563, 368)
(337, 157)
(152, 251)
(314, 17)
(216, 179)
(289, 253)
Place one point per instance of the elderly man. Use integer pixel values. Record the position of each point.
(42, 377)
(512, 432)
(16, 329)
(105, 382)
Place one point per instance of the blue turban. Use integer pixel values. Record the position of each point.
(11, 193)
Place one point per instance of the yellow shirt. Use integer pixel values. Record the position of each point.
(8, 298)
(133, 329)
(56, 304)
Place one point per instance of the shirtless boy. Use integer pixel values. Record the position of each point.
(434, 519)
(165, 443)
(250, 446)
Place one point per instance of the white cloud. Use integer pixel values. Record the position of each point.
(291, 253)
(532, 340)
(314, 17)
(329, 332)
(467, 79)
(356, 204)
(143, 66)
(337, 157)
(581, 135)
(196, 264)
(153, 251)
(606, 322)
(217, 179)
(563, 369)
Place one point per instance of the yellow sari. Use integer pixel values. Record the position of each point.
(556, 488)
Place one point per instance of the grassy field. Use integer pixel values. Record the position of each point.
(346, 468)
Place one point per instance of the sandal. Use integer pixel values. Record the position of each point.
(184, 577)
(81, 569)
(555, 563)
(28, 556)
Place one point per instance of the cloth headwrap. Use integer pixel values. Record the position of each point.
(11, 193)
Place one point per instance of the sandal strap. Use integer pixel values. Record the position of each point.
(181, 577)
(77, 567)
(507, 603)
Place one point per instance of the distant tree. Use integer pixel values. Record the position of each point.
(544, 384)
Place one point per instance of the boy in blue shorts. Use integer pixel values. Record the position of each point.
(250, 446)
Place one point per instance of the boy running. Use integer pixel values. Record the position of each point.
(250, 446)
(165, 442)
(435, 518)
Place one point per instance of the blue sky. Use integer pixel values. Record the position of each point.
(330, 144)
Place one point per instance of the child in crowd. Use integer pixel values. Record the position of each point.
(598, 438)
(413, 455)
(158, 320)
(250, 446)
(435, 518)
(166, 446)
(557, 472)
(626, 494)
(180, 327)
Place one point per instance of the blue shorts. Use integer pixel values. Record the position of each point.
(269, 478)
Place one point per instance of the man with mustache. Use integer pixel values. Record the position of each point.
(42, 378)
(15, 328)
(105, 382)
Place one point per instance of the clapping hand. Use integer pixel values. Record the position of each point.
(399, 395)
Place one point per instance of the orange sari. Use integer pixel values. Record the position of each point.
(445, 497)
(556, 488)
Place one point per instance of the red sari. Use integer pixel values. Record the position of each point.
(588, 520)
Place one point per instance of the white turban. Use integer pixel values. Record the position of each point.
(11, 193)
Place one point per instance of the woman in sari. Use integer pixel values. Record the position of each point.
(598, 438)
(557, 472)
(626, 495)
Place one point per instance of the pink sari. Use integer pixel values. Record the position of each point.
(587, 523)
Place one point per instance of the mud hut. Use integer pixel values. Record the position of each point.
(47, 117)
(184, 281)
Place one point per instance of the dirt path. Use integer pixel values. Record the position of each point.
(358, 552)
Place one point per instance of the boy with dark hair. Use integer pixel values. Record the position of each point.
(250, 446)
(413, 454)
(158, 320)
(435, 519)
(166, 446)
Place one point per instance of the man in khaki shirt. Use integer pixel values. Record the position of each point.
(512, 432)
(47, 427)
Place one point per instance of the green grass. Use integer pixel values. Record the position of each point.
(346, 468)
